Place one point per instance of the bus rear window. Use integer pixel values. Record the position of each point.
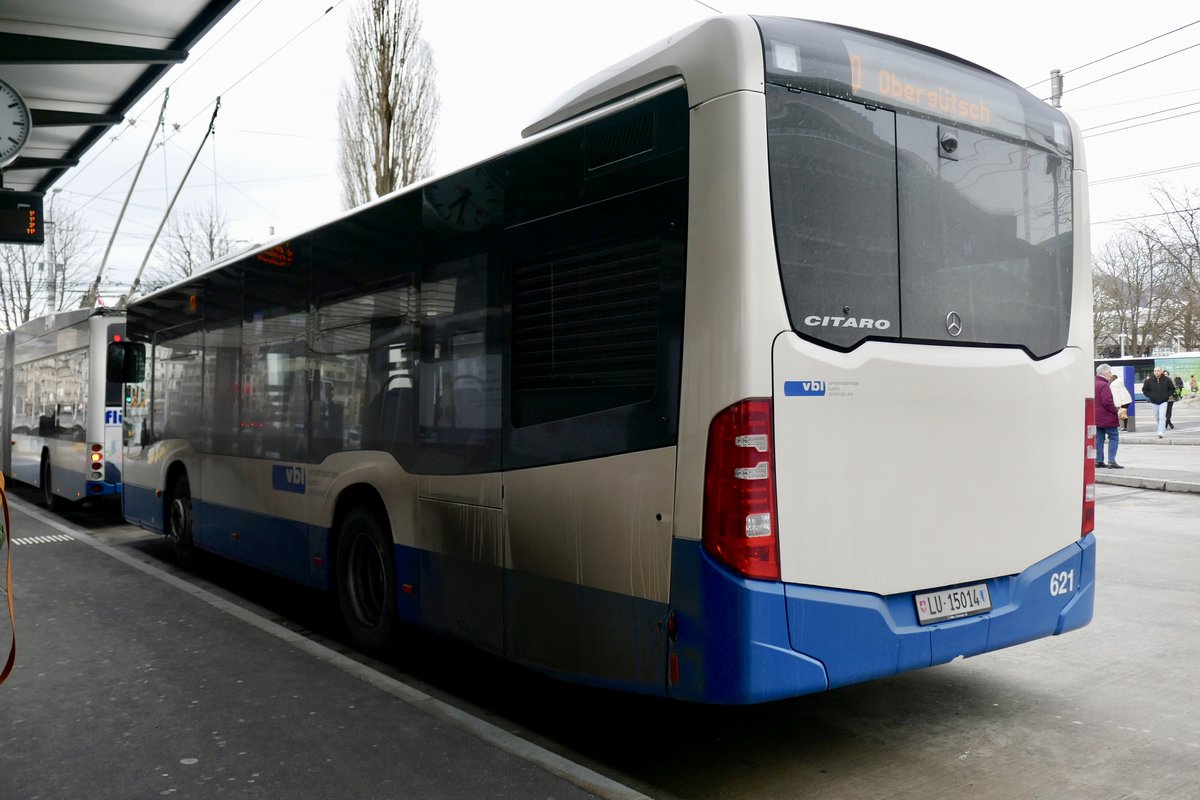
(113, 391)
(897, 224)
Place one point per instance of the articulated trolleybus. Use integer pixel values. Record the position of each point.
(61, 420)
(694, 392)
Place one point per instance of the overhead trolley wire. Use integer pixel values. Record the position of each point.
(1139, 116)
(1135, 66)
(1118, 52)
(1140, 124)
(1147, 174)
(150, 104)
(178, 128)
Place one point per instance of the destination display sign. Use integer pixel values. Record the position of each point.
(857, 66)
(21, 218)
(898, 78)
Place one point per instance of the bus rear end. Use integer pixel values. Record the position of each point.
(915, 486)
(102, 473)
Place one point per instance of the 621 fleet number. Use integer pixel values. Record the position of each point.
(1062, 582)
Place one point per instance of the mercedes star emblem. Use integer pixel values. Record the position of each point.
(953, 323)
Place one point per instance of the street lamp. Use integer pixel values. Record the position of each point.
(1178, 338)
(1122, 337)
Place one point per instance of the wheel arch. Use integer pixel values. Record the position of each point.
(169, 477)
(357, 495)
(172, 474)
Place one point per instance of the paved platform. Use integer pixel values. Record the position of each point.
(133, 682)
(1171, 463)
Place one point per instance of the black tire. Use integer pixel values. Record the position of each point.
(366, 581)
(52, 501)
(179, 522)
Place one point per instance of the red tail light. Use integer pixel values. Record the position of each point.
(1089, 467)
(740, 518)
(96, 461)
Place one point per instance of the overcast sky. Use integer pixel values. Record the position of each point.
(277, 65)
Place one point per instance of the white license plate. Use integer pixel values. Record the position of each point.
(965, 601)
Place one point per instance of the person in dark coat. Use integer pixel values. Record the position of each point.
(1171, 400)
(1107, 421)
(1158, 389)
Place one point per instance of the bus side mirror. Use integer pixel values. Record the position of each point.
(126, 362)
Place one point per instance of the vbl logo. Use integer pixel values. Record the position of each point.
(804, 388)
(114, 416)
(288, 479)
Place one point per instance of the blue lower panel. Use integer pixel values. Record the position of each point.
(142, 506)
(742, 641)
(731, 643)
(290, 549)
(573, 632)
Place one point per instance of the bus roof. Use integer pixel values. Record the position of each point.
(63, 319)
(689, 52)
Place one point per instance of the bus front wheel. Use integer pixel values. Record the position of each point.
(179, 522)
(366, 581)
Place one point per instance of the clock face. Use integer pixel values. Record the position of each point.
(14, 123)
(469, 201)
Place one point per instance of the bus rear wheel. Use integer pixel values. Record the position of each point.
(366, 581)
(52, 501)
(179, 522)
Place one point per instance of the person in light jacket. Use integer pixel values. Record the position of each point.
(1158, 388)
(1121, 399)
(1106, 418)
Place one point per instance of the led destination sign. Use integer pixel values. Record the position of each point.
(895, 87)
(859, 67)
(925, 85)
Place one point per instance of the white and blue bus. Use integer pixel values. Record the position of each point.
(699, 391)
(60, 424)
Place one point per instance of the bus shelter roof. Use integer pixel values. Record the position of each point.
(82, 66)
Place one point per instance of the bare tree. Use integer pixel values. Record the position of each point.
(37, 280)
(1135, 294)
(22, 282)
(197, 237)
(1175, 237)
(388, 111)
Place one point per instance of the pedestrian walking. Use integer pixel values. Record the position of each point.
(1195, 387)
(1157, 389)
(1107, 418)
(1175, 384)
(1122, 399)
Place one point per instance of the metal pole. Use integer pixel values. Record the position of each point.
(89, 298)
(51, 289)
(137, 278)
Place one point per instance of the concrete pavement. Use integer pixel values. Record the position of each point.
(134, 681)
(1169, 464)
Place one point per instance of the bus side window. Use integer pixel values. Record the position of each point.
(362, 382)
(460, 371)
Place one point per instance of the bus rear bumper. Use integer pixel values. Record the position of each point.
(744, 641)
